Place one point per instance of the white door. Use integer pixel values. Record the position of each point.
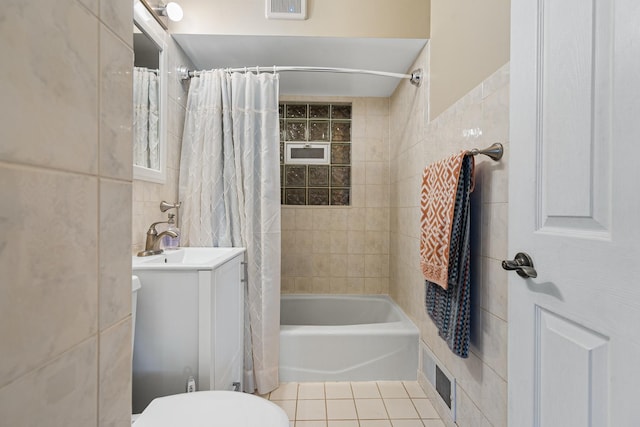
(574, 207)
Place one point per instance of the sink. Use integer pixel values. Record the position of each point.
(186, 258)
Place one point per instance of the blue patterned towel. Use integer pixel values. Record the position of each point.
(450, 308)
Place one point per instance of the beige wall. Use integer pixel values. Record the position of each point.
(326, 18)
(469, 41)
(415, 142)
(148, 195)
(65, 185)
(345, 249)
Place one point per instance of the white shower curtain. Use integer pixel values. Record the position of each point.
(230, 189)
(146, 147)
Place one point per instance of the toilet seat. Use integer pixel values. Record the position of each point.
(212, 409)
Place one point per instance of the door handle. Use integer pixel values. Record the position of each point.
(522, 264)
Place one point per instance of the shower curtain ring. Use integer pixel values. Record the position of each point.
(257, 69)
(274, 69)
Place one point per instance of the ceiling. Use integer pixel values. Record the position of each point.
(390, 55)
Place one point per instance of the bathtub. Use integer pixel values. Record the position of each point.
(346, 338)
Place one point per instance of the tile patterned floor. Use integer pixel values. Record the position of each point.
(356, 404)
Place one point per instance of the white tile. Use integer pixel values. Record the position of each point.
(338, 390)
(311, 391)
(400, 408)
(343, 423)
(433, 423)
(365, 390)
(371, 409)
(311, 423)
(375, 423)
(392, 389)
(413, 389)
(425, 408)
(343, 409)
(289, 407)
(286, 391)
(311, 410)
(406, 423)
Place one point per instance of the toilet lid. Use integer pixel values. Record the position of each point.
(212, 409)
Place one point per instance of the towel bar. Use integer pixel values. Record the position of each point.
(495, 151)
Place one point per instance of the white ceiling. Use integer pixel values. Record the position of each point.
(391, 55)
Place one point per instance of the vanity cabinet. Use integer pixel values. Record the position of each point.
(189, 323)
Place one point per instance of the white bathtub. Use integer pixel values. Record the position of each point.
(346, 338)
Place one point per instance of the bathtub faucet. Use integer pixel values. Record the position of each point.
(152, 246)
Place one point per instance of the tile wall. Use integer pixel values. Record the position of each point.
(148, 195)
(65, 186)
(345, 249)
(480, 118)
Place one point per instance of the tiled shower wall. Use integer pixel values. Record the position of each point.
(148, 195)
(65, 185)
(480, 118)
(345, 249)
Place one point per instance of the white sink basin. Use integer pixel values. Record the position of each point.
(186, 259)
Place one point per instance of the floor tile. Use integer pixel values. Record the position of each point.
(322, 423)
(433, 423)
(286, 391)
(340, 390)
(407, 423)
(392, 389)
(414, 389)
(400, 408)
(343, 423)
(289, 407)
(375, 423)
(365, 390)
(343, 409)
(311, 410)
(425, 408)
(311, 391)
(371, 409)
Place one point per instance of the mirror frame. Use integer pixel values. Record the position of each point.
(145, 21)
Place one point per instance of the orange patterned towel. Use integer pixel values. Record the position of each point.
(437, 202)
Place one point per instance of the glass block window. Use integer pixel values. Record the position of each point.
(315, 125)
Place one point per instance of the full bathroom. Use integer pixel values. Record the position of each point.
(341, 327)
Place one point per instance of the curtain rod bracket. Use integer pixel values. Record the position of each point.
(416, 77)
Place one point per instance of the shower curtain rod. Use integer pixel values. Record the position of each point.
(415, 77)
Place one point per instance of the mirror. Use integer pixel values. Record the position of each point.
(149, 97)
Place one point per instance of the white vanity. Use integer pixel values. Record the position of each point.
(190, 322)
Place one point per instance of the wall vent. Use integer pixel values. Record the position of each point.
(286, 9)
(440, 379)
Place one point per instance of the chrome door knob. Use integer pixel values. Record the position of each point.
(522, 264)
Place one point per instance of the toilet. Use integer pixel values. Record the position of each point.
(211, 408)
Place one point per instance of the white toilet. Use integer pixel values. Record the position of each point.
(210, 408)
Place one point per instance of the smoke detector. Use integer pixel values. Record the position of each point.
(286, 9)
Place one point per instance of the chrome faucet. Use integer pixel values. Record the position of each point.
(152, 246)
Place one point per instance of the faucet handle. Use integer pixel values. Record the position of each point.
(152, 228)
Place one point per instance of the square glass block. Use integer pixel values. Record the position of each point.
(295, 176)
(340, 196)
(341, 176)
(318, 196)
(296, 111)
(341, 111)
(340, 131)
(281, 110)
(318, 131)
(318, 111)
(281, 152)
(341, 154)
(295, 196)
(283, 131)
(319, 176)
(296, 131)
(281, 175)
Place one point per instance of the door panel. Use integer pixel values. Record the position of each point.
(574, 203)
